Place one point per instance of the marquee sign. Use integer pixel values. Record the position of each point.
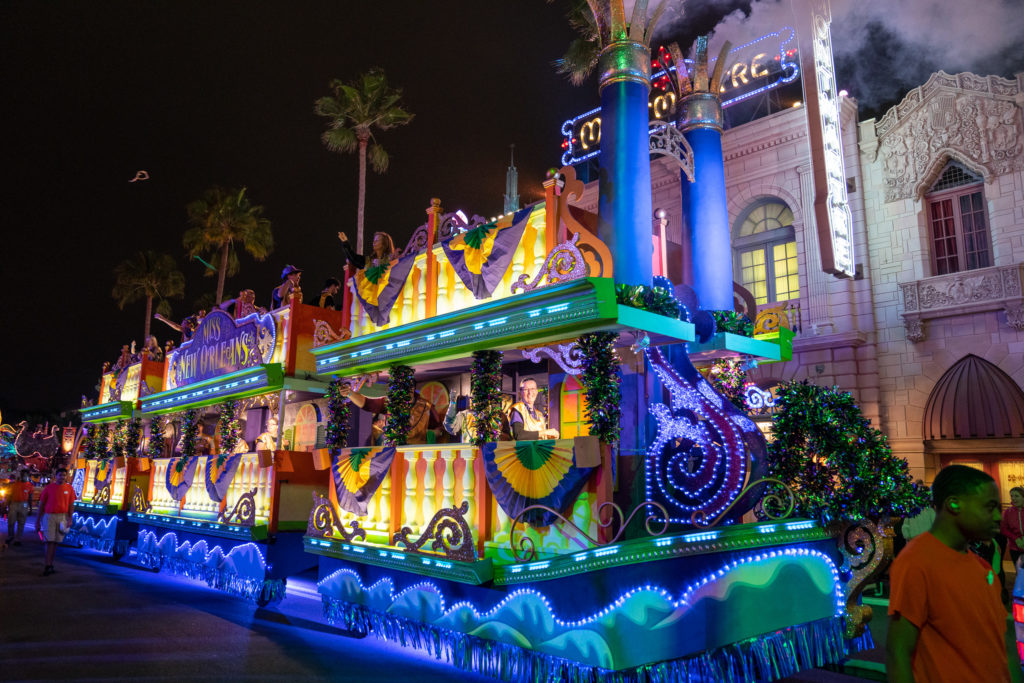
(821, 96)
(756, 67)
(223, 345)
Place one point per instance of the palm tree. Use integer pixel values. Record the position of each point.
(353, 112)
(148, 275)
(221, 220)
(581, 56)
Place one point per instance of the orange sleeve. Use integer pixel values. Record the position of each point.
(909, 593)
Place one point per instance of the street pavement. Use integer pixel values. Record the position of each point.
(97, 619)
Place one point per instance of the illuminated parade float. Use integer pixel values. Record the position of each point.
(220, 487)
(514, 447)
(626, 530)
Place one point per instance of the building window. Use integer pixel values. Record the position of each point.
(573, 409)
(958, 222)
(764, 245)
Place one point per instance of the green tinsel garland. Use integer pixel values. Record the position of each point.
(101, 444)
(485, 385)
(728, 378)
(841, 467)
(189, 433)
(731, 321)
(157, 426)
(600, 379)
(117, 443)
(228, 425)
(400, 400)
(654, 299)
(132, 437)
(340, 410)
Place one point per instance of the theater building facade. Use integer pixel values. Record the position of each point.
(929, 333)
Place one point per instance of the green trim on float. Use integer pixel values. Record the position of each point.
(392, 557)
(200, 526)
(104, 509)
(241, 384)
(106, 412)
(554, 313)
(726, 344)
(783, 337)
(636, 551)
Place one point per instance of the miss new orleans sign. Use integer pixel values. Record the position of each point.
(221, 345)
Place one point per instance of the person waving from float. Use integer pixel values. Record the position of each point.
(529, 423)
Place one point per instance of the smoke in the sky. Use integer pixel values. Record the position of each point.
(883, 47)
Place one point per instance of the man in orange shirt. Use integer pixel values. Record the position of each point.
(946, 617)
(21, 507)
(55, 503)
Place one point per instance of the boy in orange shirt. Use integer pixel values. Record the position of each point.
(947, 621)
(55, 502)
(21, 506)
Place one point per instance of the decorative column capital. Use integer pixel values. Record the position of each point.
(624, 60)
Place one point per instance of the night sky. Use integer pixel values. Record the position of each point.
(221, 93)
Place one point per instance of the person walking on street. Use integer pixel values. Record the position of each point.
(54, 518)
(1013, 523)
(947, 620)
(20, 509)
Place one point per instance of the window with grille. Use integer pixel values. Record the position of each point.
(958, 222)
(764, 248)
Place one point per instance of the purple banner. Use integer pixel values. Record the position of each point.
(218, 477)
(222, 345)
(180, 481)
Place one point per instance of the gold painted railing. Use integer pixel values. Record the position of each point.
(427, 478)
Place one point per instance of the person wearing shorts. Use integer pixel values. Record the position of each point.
(21, 506)
(54, 518)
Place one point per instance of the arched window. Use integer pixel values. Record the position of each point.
(958, 221)
(764, 248)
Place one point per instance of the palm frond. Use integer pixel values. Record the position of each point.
(378, 158)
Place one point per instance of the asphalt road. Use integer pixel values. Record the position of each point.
(96, 619)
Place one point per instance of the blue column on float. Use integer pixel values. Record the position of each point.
(624, 194)
(707, 221)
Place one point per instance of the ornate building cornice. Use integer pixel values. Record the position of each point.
(973, 119)
(970, 291)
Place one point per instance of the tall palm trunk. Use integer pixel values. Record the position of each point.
(222, 272)
(149, 316)
(361, 210)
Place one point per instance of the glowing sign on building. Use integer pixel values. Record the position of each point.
(756, 67)
(821, 97)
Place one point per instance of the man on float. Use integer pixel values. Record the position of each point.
(289, 286)
(529, 423)
(423, 419)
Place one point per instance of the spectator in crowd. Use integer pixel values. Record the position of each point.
(20, 508)
(1013, 523)
(54, 518)
(947, 620)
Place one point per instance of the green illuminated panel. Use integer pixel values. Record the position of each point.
(783, 338)
(241, 384)
(552, 313)
(724, 344)
(107, 412)
(426, 564)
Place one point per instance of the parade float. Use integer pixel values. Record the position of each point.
(203, 462)
(647, 542)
